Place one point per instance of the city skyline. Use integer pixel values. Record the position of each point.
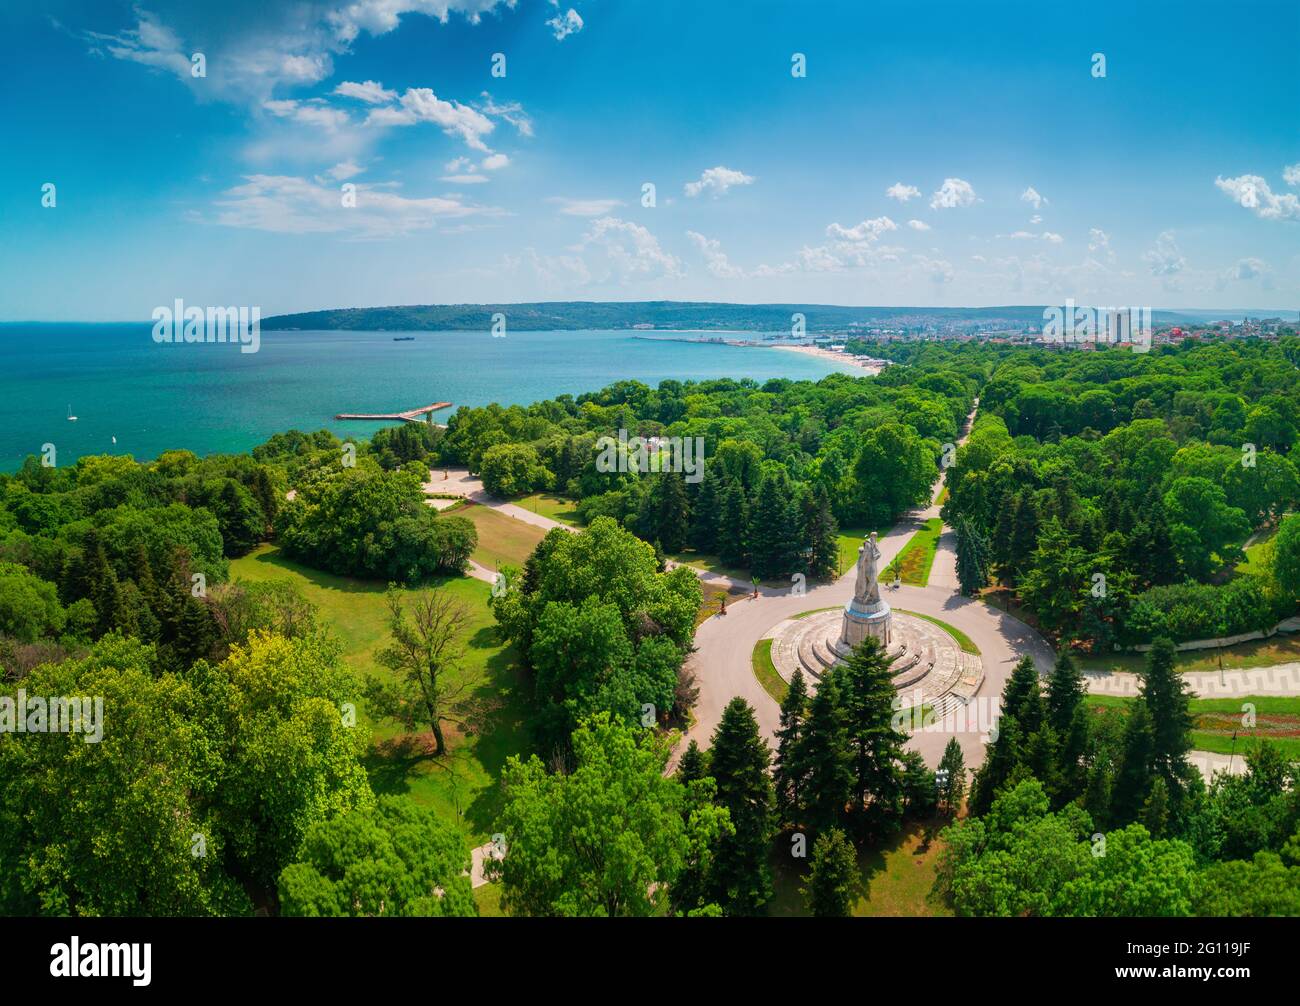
(499, 152)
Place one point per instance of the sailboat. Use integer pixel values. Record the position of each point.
(71, 417)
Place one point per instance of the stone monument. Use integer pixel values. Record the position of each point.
(867, 614)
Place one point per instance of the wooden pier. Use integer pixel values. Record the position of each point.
(410, 415)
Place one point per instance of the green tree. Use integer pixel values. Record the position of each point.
(952, 777)
(824, 751)
(738, 760)
(425, 655)
(833, 879)
(397, 860)
(790, 772)
(867, 695)
(609, 838)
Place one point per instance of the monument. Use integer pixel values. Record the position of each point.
(925, 660)
(867, 614)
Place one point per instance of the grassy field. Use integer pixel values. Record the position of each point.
(1280, 649)
(463, 784)
(502, 540)
(558, 508)
(488, 899)
(917, 555)
(963, 640)
(766, 671)
(896, 879)
(1214, 721)
(850, 540)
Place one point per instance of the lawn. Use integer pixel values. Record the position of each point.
(558, 508)
(1254, 553)
(850, 540)
(502, 540)
(1280, 649)
(897, 879)
(463, 784)
(917, 555)
(766, 671)
(1214, 721)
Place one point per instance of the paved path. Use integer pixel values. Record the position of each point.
(1278, 679)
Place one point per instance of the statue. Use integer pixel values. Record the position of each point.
(867, 588)
(867, 614)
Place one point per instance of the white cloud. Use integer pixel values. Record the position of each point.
(629, 249)
(1048, 236)
(378, 17)
(290, 205)
(371, 92)
(585, 207)
(344, 170)
(936, 270)
(868, 230)
(902, 192)
(470, 179)
(1098, 240)
(1165, 258)
(311, 113)
(954, 192)
(1291, 174)
(511, 111)
(918, 225)
(420, 104)
(1253, 192)
(1036, 219)
(719, 180)
(564, 25)
(1249, 268)
(494, 162)
(714, 257)
(1032, 196)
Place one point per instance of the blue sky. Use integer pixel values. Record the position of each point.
(944, 153)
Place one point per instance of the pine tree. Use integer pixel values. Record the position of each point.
(1064, 693)
(738, 761)
(789, 773)
(774, 528)
(673, 511)
(920, 794)
(972, 558)
(1133, 781)
(733, 525)
(1166, 698)
(1001, 759)
(1155, 809)
(834, 876)
(823, 536)
(1021, 698)
(1097, 796)
(693, 765)
(952, 777)
(1024, 536)
(1003, 531)
(868, 695)
(824, 749)
(706, 510)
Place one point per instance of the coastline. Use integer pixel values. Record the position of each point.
(826, 354)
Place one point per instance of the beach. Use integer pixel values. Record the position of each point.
(833, 357)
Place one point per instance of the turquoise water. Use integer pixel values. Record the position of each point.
(212, 398)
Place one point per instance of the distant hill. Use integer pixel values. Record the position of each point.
(659, 314)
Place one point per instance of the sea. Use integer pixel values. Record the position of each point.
(134, 396)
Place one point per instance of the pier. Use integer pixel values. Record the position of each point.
(409, 416)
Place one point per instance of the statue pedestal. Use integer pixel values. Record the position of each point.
(866, 619)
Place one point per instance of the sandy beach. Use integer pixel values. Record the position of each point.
(827, 354)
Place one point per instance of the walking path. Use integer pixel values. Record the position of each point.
(1278, 679)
